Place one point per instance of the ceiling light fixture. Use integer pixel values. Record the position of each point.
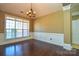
(31, 13)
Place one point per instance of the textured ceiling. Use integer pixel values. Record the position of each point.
(40, 8)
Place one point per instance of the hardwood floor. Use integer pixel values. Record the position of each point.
(34, 48)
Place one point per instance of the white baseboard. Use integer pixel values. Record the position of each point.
(13, 41)
(67, 46)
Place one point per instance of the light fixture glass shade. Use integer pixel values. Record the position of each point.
(27, 12)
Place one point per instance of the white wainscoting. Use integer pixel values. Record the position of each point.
(1, 37)
(7, 41)
(53, 38)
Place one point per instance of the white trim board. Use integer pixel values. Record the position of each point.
(67, 7)
(67, 46)
(75, 13)
(13, 41)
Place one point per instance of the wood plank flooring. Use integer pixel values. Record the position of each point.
(34, 48)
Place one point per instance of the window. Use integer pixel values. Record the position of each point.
(19, 29)
(25, 29)
(16, 28)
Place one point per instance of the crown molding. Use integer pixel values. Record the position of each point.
(67, 7)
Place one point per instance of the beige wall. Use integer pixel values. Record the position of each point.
(31, 25)
(2, 18)
(53, 22)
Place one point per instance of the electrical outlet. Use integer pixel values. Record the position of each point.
(50, 38)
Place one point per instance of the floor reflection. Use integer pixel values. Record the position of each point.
(13, 50)
(10, 50)
(34, 48)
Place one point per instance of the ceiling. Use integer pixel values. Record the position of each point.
(40, 8)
